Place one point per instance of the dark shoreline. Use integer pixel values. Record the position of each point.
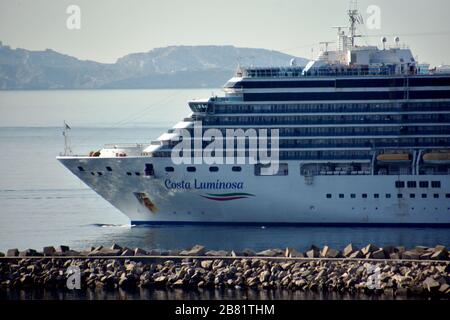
(367, 273)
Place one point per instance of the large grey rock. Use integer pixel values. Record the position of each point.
(430, 284)
(313, 253)
(439, 255)
(292, 253)
(206, 264)
(115, 246)
(12, 253)
(349, 249)
(49, 251)
(28, 253)
(410, 255)
(369, 249)
(197, 250)
(379, 254)
(140, 252)
(270, 253)
(356, 255)
(328, 252)
(217, 253)
(127, 252)
(63, 248)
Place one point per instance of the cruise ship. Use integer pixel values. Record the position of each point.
(363, 138)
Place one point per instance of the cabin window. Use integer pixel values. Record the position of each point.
(423, 184)
(328, 195)
(353, 196)
(128, 173)
(399, 196)
(399, 184)
(191, 169)
(137, 173)
(213, 169)
(447, 195)
(412, 184)
(93, 173)
(364, 195)
(412, 195)
(435, 184)
(108, 169)
(149, 171)
(388, 195)
(341, 196)
(99, 173)
(424, 195)
(436, 196)
(376, 196)
(169, 169)
(80, 168)
(236, 169)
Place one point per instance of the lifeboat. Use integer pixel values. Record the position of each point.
(394, 157)
(437, 157)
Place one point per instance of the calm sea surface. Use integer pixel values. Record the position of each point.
(41, 203)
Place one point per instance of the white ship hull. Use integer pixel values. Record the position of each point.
(183, 197)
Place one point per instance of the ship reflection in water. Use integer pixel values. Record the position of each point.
(263, 237)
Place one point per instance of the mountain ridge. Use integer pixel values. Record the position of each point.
(164, 67)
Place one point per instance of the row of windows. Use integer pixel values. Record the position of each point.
(211, 169)
(332, 107)
(387, 196)
(413, 184)
(356, 95)
(325, 119)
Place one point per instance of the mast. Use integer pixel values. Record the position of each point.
(354, 18)
(67, 149)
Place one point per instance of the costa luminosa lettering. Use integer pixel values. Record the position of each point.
(203, 185)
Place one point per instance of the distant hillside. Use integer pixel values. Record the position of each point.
(169, 67)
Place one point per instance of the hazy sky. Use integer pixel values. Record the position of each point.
(113, 28)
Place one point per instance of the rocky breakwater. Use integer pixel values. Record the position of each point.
(393, 271)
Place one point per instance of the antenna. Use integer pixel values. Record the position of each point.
(355, 18)
(326, 43)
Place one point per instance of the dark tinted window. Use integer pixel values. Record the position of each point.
(388, 195)
(329, 195)
(435, 184)
(108, 169)
(423, 184)
(236, 169)
(424, 195)
(364, 195)
(341, 195)
(436, 195)
(412, 184)
(399, 195)
(353, 196)
(191, 169)
(129, 173)
(412, 195)
(376, 195)
(213, 169)
(80, 168)
(169, 169)
(399, 184)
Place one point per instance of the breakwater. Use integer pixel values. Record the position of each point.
(393, 271)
